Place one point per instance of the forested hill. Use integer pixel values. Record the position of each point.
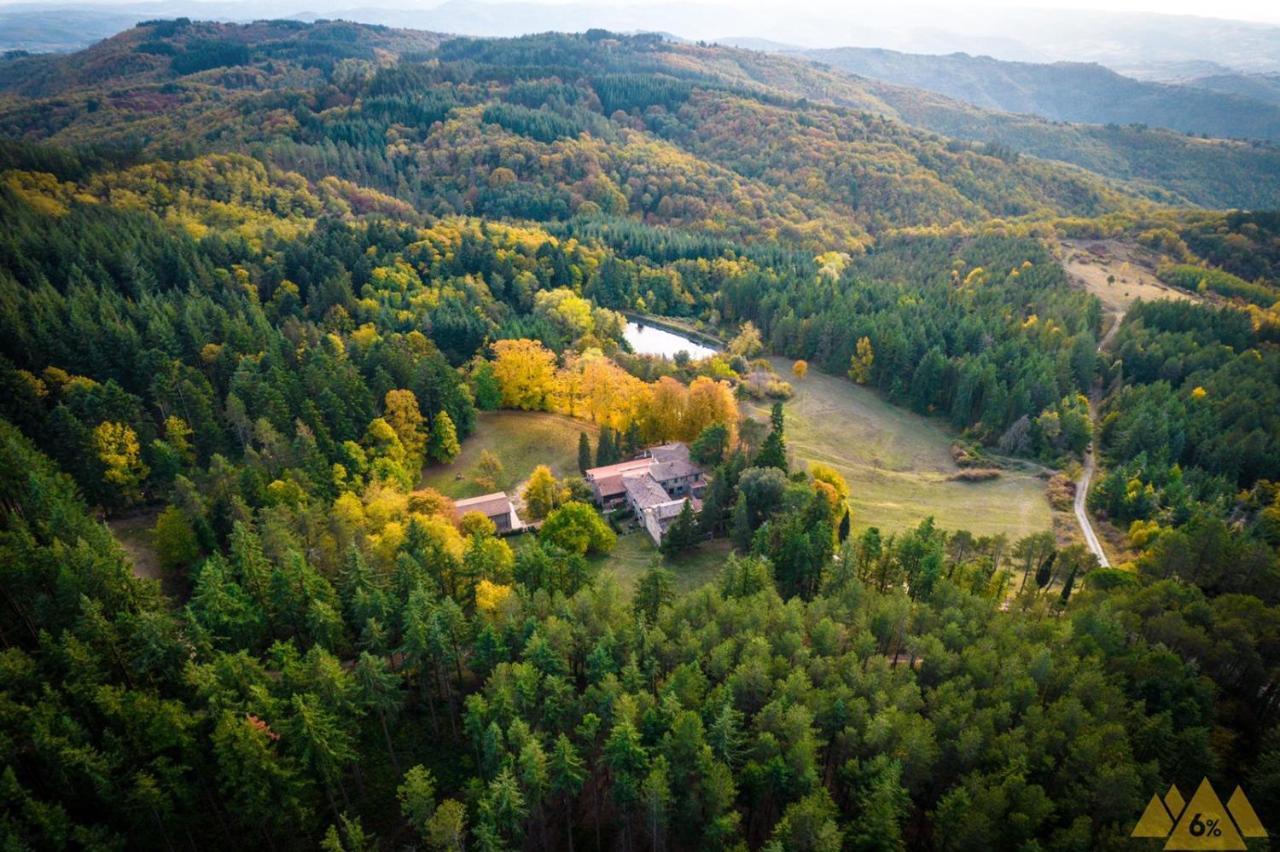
(1213, 173)
(732, 141)
(1063, 91)
(819, 150)
(541, 128)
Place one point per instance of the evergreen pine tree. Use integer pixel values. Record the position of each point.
(631, 441)
(584, 452)
(683, 532)
(605, 451)
(773, 452)
(740, 531)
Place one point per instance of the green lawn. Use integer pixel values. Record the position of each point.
(635, 552)
(898, 464)
(522, 440)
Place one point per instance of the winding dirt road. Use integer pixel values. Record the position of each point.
(1082, 513)
(1086, 477)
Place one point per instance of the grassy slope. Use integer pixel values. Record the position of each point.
(522, 440)
(898, 465)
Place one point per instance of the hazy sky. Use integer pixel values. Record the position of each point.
(1245, 10)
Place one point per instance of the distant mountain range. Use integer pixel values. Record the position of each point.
(851, 135)
(1224, 106)
(1137, 41)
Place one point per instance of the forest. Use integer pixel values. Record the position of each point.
(253, 279)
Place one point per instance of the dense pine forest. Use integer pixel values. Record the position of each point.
(254, 278)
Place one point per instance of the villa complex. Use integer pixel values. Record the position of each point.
(654, 486)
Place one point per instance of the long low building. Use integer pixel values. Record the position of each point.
(497, 507)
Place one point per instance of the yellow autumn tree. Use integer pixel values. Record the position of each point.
(666, 410)
(829, 475)
(610, 395)
(401, 412)
(860, 364)
(748, 343)
(178, 434)
(490, 597)
(116, 445)
(541, 493)
(710, 401)
(526, 374)
(800, 368)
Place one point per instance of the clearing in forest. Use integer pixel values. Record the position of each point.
(521, 440)
(1118, 273)
(636, 552)
(899, 465)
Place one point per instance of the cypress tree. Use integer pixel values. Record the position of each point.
(773, 452)
(1066, 587)
(584, 452)
(741, 530)
(605, 450)
(1044, 574)
(631, 441)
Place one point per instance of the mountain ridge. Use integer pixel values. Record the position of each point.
(1077, 92)
(158, 83)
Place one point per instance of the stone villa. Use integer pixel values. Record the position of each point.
(654, 486)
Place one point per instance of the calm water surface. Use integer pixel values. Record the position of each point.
(651, 340)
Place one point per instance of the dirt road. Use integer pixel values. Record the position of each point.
(1086, 477)
(1082, 512)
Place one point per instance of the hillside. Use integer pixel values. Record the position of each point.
(729, 142)
(1258, 87)
(1169, 166)
(307, 93)
(1065, 91)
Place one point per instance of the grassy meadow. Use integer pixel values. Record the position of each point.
(898, 464)
(635, 552)
(521, 440)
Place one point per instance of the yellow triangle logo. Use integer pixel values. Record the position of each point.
(1155, 821)
(1174, 802)
(1204, 824)
(1242, 812)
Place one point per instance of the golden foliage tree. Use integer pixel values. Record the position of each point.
(401, 412)
(860, 364)
(748, 343)
(542, 493)
(526, 373)
(116, 445)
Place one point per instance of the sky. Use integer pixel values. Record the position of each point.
(1267, 11)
